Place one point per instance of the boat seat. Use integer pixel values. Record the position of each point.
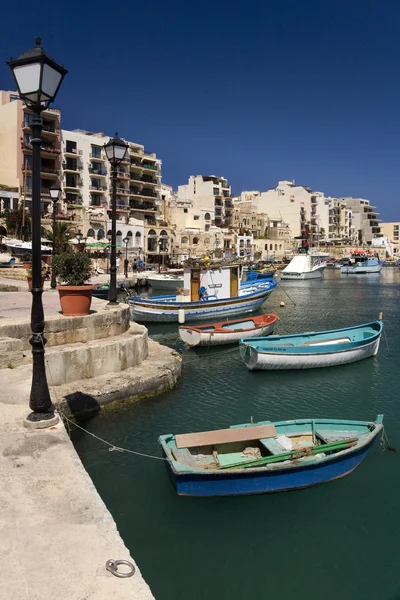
(329, 436)
(224, 436)
(330, 342)
(272, 445)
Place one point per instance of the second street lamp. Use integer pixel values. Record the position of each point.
(116, 150)
(126, 242)
(38, 78)
(55, 191)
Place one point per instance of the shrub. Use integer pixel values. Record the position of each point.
(72, 269)
(43, 268)
(27, 256)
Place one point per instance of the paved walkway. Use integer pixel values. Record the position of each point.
(56, 533)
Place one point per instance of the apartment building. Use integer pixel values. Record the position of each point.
(391, 232)
(16, 148)
(209, 194)
(365, 220)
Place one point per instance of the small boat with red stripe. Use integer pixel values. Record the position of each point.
(228, 332)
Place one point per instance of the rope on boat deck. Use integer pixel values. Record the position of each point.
(112, 447)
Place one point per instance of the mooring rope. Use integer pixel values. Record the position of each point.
(112, 447)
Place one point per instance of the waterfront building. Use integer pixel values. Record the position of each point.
(365, 220)
(209, 194)
(16, 148)
(391, 232)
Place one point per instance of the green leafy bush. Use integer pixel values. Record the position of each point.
(72, 269)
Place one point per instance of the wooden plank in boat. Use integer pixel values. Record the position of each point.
(224, 436)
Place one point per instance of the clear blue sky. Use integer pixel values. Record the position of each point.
(255, 91)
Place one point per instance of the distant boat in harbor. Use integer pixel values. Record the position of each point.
(208, 292)
(362, 262)
(257, 458)
(311, 350)
(18, 247)
(165, 281)
(227, 332)
(304, 266)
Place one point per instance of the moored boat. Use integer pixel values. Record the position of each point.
(267, 457)
(208, 292)
(311, 350)
(362, 262)
(165, 281)
(227, 332)
(304, 266)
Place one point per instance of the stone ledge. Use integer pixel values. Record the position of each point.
(160, 372)
(11, 353)
(104, 323)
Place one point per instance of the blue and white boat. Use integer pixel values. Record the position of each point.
(311, 350)
(362, 262)
(257, 458)
(253, 277)
(209, 292)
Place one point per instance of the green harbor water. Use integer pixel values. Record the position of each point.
(338, 540)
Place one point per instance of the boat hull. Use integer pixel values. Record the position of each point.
(212, 338)
(168, 312)
(357, 270)
(246, 483)
(269, 361)
(315, 274)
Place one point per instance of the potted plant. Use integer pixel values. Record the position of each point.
(74, 270)
(27, 260)
(29, 274)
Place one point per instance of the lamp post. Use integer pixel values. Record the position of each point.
(108, 251)
(38, 78)
(116, 150)
(67, 235)
(55, 191)
(126, 242)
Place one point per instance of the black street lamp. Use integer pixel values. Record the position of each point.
(38, 78)
(126, 242)
(55, 191)
(67, 234)
(79, 237)
(163, 246)
(116, 150)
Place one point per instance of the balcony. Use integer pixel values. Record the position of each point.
(46, 172)
(135, 164)
(44, 148)
(149, 194)
(72, 152)
(73, 188)
(123, 191)
(228, 204)
(123, 175)
(218, 213)
(98, 171)
(314, 200)
(70, 169)
(148, 180)
(100, 189)
(48, 129)
(151, 167)
(96, 218)
(97, 157)
(218, 202)
(43, 191)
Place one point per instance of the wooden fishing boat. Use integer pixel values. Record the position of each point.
(267, 457)
(208, 292)
(310, 350)
(227, 332)
(362, 262)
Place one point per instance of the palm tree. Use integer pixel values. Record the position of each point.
(63, 232)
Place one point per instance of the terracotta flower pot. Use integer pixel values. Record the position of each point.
(29, 279)
(27, 264)
(75, 300)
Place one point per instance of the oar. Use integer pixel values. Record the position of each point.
(293, 454)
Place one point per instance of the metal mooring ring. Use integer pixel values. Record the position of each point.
(112, 566)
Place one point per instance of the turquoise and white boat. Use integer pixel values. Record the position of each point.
(209, 292)
(362, 262)
(257, 458)
(311, 350)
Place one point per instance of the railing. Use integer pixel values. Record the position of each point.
(98, 188)
(228, 204)
(147, 166)
(43, 191)
(123, 191)
(75, 186)
(68, 167)
(148, 194)
(96, 156)
(43, 147)
(123, 175)
(97, 171)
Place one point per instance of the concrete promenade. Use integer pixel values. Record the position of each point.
(56, 533)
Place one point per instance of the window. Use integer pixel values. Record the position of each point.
(207, 217)
(185, 210)
(207, 227)
(195, 240)
(96, 200)
(70, 147)
(276, 246)
(96, 151)
(90, 233)
(138, 237)
(216, 191)
(196, 217)
(266, 247)
(270, 246)
(184, 240)
(14, 97)
(100, 234)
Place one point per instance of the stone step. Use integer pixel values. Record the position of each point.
(11, 353)
(71, 362)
